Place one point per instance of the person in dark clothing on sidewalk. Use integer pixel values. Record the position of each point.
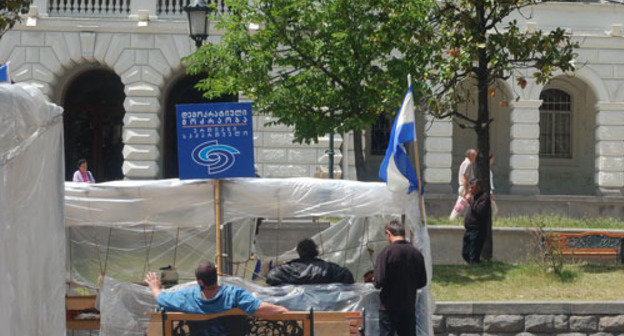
(308, 269)
(476, 222)
(399, 272)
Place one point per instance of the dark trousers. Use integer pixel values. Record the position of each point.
(473, 243)
(402, 322)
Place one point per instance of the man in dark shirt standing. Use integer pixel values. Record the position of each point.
(476, 222)
(399, 272)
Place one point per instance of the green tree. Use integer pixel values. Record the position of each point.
(10, 11)
(477, 41)
(322, 66)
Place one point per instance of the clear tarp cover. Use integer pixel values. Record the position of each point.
(32, 254)
(123, 305)
(123, 229)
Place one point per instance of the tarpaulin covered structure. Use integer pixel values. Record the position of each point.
(122, 229)
(32, 235)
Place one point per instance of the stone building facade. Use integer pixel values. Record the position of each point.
(566, 137)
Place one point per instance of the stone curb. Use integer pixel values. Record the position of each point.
(533, 308)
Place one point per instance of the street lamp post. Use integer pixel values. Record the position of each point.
(197, 12)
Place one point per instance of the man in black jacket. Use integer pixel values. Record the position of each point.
(399, 272)
(308, 269)
(476, 222)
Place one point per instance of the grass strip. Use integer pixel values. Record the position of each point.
(495, 281)
(546, 221)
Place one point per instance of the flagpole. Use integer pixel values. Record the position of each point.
(421, 202)
(217, 201)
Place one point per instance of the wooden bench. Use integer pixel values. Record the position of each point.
(236, 322)
(590, 243)
(76, 305)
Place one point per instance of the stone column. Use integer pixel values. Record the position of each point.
(609, 176)
(524, 147)
(42, 7)
(438, 155)
(140, 134)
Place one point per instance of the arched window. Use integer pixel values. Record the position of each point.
(555, 124)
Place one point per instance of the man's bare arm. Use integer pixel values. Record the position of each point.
(154, 283)
(270, 309)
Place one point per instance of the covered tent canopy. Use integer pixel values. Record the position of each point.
(32, 237)
(129, 227)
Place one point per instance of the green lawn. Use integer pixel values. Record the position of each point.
(527, 282)
(547, 221)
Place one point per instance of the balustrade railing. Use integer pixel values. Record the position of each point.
(174, 9)
(89, 8)
(165, 9)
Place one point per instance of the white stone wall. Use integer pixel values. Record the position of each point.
(146, 54)
(277, 156)
(50, 54)
(609, 147)
(524, 146)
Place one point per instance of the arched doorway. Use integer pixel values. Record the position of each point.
(182, 92)
(93, 121)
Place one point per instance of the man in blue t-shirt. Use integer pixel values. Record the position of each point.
(208, 297)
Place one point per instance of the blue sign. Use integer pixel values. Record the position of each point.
(215, 140)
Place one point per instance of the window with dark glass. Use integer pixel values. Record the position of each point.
(555, 124)
(380, 134)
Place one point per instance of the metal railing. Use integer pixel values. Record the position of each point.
(174, 9)
(89, 8)
(165, 9)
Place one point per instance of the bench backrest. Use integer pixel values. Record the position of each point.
(236, 322)
(585, 243)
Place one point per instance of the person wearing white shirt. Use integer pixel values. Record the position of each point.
(466, 172)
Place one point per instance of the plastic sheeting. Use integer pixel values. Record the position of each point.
(125, 228)
(128, 252)
(123, 305)
(32, 236)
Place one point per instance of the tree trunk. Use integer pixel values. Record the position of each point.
(482, 168)
(358, 150)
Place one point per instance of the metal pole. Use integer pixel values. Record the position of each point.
(217, 200)
(421, 202)
(330, 152)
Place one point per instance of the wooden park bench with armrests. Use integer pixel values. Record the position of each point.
(589, 243)
(235, 322)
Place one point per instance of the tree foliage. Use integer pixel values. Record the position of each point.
(478, 41)
(321, 66)
(335, 65)
(10, 11)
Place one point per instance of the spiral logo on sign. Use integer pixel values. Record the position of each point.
(217, 158)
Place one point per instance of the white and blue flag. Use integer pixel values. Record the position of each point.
(4, 73)
(396, 168)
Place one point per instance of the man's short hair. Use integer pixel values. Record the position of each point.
(307, 249)
(470, 151)
(396, 228)
(206, 272)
